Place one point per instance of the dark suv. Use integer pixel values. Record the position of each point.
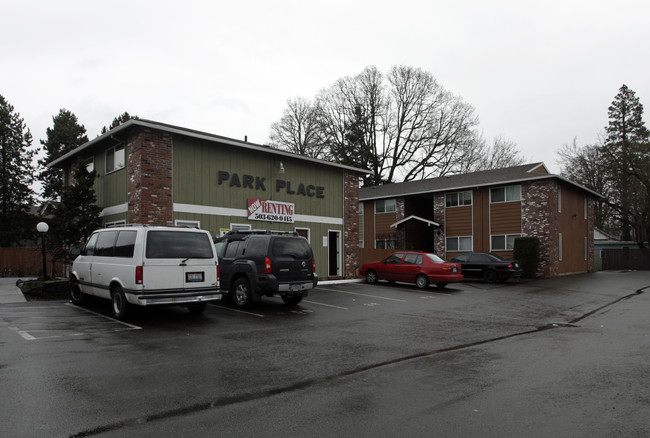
(254, 263)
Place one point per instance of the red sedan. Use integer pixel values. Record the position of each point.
(420, 268)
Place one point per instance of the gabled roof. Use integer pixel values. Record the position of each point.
(495, 177)
(100, 141)
(418, 218)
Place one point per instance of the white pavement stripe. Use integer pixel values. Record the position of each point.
(362, 295)
(326, 305)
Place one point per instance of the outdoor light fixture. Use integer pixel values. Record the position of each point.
(281, 168)
(43, 228)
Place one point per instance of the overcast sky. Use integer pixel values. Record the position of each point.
(538, 73)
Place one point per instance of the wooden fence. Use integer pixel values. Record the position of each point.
(626, 258)
(25, 262)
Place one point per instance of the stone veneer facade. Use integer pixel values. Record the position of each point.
(539, 218)
(439, 217)
(149, 184)
(351, 225)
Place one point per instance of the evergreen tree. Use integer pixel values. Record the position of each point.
(65, 135)
(77, 215)
(117, 121)
(626, 147)
(16, 177)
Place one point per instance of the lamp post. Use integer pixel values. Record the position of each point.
(43, 228)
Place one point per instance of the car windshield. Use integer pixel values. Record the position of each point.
(434, 258)
(178, 244)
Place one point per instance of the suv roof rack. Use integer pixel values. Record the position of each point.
(233, 232)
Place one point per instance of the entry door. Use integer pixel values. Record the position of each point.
(334, 253)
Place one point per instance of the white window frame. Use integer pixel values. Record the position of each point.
(560, 246)
(115, 223)
(505, 194)
(187, 223)
(559, 199)
(117, 165)
(585, 207)
(458, 240)
(304, 229)
(234, 226)
(385, 241)
(393, 204)
(457, 196)
(506, 238)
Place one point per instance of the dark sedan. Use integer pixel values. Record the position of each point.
(490, 267)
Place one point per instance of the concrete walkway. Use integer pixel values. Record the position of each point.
(9, 292)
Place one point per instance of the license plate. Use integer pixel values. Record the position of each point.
(191, 277)
(295, 288)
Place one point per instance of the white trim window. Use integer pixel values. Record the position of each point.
(115, 158)
(187, 223)
(458, 199)
(505, 194)
(234, 227)
(115, 223)
(459, 243)
(386, 244)
(503, 242)
(385, 206)
(304, 232)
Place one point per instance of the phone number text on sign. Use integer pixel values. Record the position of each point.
(270, 211)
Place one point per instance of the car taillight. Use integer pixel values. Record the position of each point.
(138, 275)
(218, 273)
(267, 266)
(510, 267)
(313, 265)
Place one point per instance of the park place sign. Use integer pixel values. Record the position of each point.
(270, 211)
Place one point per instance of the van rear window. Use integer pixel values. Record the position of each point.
(178, 244)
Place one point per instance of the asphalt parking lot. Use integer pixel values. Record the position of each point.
(308, 370)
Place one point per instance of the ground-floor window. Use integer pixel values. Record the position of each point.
(504, 242)
(459, 243)
(189, 224)
(304, 232)
(386, 244)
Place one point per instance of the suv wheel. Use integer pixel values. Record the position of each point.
(241, 293)
(120, 304)
(292, 300)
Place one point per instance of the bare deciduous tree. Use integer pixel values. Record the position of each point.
(297, 131)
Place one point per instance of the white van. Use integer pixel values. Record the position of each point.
(147, 265)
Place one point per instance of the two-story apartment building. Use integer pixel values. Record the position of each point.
(159, 174)
(484, 212)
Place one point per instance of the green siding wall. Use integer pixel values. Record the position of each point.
(196, 167)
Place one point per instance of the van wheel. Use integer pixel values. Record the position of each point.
(292, 300)
(422, 281)
(197, 308)
(120, 304)
(241, 293)
(76, 296)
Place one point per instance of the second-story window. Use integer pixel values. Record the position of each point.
(115, 158)
(505, 194)
(457, 199)
(385, 205)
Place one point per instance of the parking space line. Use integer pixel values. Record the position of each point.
(362, 295)
(135, 327)
(326, 305)
(238, 311)
(23, 334)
